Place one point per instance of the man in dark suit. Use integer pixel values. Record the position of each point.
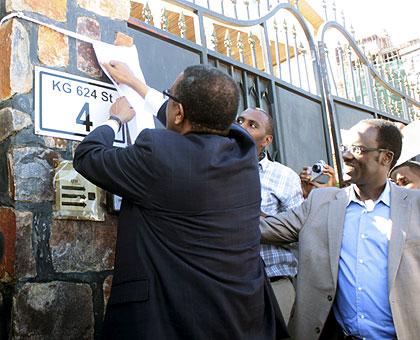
(187, 260)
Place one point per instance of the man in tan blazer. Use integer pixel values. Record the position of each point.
(359, 247)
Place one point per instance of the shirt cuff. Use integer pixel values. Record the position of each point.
(153, 101)
(112, 124)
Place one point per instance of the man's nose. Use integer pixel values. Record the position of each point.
(245, 125)
(399, 181)
(347, 155)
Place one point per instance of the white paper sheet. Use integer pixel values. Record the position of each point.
(153, 101)
(128, 55)
(411, 142)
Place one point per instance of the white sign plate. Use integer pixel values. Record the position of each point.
(69, 106)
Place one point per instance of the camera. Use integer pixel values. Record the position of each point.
(316, 172)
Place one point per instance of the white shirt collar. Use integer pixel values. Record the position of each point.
(264, 163)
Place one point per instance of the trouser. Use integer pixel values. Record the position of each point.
(285, 295)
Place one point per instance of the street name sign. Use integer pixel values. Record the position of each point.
(68, 106)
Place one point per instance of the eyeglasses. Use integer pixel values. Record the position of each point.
(357, 150)
(167, 94)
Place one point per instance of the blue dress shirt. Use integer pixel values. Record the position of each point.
(362, 305)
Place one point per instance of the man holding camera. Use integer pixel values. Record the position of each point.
(359, 263)
(320, 175)
(280, 191)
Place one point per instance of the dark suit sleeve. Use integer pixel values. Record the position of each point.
(121, 171)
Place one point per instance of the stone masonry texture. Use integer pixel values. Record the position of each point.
(15, 66)
(25, 265)
(5, 54)
(110, 8)
(53, 310)
(55, 274)
(122, 39)
(53, 47)
(18, 259)
(78, 246)
(86, 59)
(53, 9)
(12, 121)
(31, 172)
(21, 68)
(8, 232)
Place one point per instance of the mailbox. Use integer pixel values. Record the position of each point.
(76, 197)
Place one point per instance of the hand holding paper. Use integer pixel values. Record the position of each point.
(123, 110)
(122, 74)
(129, 56)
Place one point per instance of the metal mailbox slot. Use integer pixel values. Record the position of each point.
(75, 196)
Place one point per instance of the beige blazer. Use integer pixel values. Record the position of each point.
(318, 225)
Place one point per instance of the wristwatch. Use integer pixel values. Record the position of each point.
(118, 120)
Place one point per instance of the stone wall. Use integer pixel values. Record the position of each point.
(55, 275)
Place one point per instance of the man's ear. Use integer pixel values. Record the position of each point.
(179, 116)
(268, 139)
(387, 158)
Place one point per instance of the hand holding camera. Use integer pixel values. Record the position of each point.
(319, 175)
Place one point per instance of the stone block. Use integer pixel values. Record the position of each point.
(80, 246)
(114, 9)
(8, 233)
(55, 143)
(86, 58)
(122, 39)
(56, 9)
(5, 59)
(31, 173)
(53, 47)
(17, 260)
(15, 66)
(53, 310)
(12, 121)
(25, 265)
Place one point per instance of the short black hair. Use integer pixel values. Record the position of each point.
(413, 165)
(210, 98)
(389, 136)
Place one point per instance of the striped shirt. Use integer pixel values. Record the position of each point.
(280, 191)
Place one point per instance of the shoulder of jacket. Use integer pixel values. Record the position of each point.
(412, 194)
(326, 193)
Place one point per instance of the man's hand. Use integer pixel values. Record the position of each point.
(122, 109)
(307, 185)
(122, 74)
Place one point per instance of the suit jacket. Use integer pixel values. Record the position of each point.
(318, 224)
(187, 260)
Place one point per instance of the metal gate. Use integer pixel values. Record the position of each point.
(278, 66)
